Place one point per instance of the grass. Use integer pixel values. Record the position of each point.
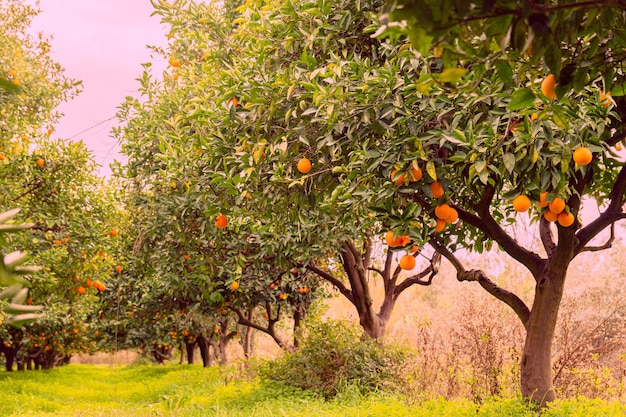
(182, 390)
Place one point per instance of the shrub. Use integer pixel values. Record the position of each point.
(334, 357)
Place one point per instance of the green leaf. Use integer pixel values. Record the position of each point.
(451, 75)
(509, 161)
(521, 99)
(430, 169)
(504, 71)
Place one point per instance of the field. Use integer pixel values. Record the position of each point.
(182, 390)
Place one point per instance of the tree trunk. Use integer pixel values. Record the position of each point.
(536, 365)
(190, 348)
(9, 356)
(203, 345)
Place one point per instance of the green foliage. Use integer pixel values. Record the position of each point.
(334, 357)
(193, 391)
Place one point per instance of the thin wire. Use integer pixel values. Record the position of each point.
(93, 127)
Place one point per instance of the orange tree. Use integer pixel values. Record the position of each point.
(554, 138)
(245, 118)
(74, 238)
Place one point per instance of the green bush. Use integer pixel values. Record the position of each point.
(334, 358)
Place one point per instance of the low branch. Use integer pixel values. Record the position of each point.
(517, 304)
(608, 244)
(326, 276)
(417, 279)
(612, 214)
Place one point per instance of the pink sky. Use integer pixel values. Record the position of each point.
(102, 43)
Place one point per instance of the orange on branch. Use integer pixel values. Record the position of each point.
(40, 162)
(234, 285)
(521, 203)
(441, 224)
(453, 217)
(547, 86)
(415, 174)
(557, 205)
(542, 199)
(118, 269)
(550, 215)
(582, 156)
(304, 166)
(221, 221)
(436, 189)
(81, 290)
(398, 179)
(566, 219)
(443, 211)
(407, 262)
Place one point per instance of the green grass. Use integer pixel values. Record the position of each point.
(175, 390)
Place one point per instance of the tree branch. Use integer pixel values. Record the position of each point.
(607, 244)
(431, 271)
(517, 304)
(612, 214)
(326, 276)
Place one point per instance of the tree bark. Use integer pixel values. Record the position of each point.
(190, 348)
(536, 364)
(205, 354)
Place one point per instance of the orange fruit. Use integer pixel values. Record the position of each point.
(282, 296)
(2, 157)
(16, 82)
(221, 221)
(415, 174)
(557, 205)
(436, 189)
(407, 262)
(234, 285)
(118, 269)
(89, 283)
(81, 290)
(534, 117)
(454, 216)
(618, 147)
(398, 179)
(582, 156)
(605, 98)
(113, 232)
(414, 249)
(565, 219)
(542, 199)
(550, 216)
(234, 101)
(443, 211)
(547, 86)
(174, 62)
(521, 203)
(40, 162)
(441, 224)
(304, 166)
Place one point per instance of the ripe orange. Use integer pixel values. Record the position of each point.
(282, 296)
(118, 269)
(547, 86)
(414, 249)
(441, 224)
(40, 162)
(16, 82)
(81, 290)
(436, 189)
(557, 205)
(99, 285)
(58, 242)
(407, 262)
(89, 283)
(234, 101)
(234, 285)
(605, 98)
(393, 241)
(174, 62)
(442, 211)
(534, 117)
(521, 203)
(566, 219)
(304, 166)
(221, 221)
(582, 156)
(2, 157)
(113, 232)
(550, 216)
(454, 216)
(618, 147)
(399, 180)
(542, 199)
(415, 174)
